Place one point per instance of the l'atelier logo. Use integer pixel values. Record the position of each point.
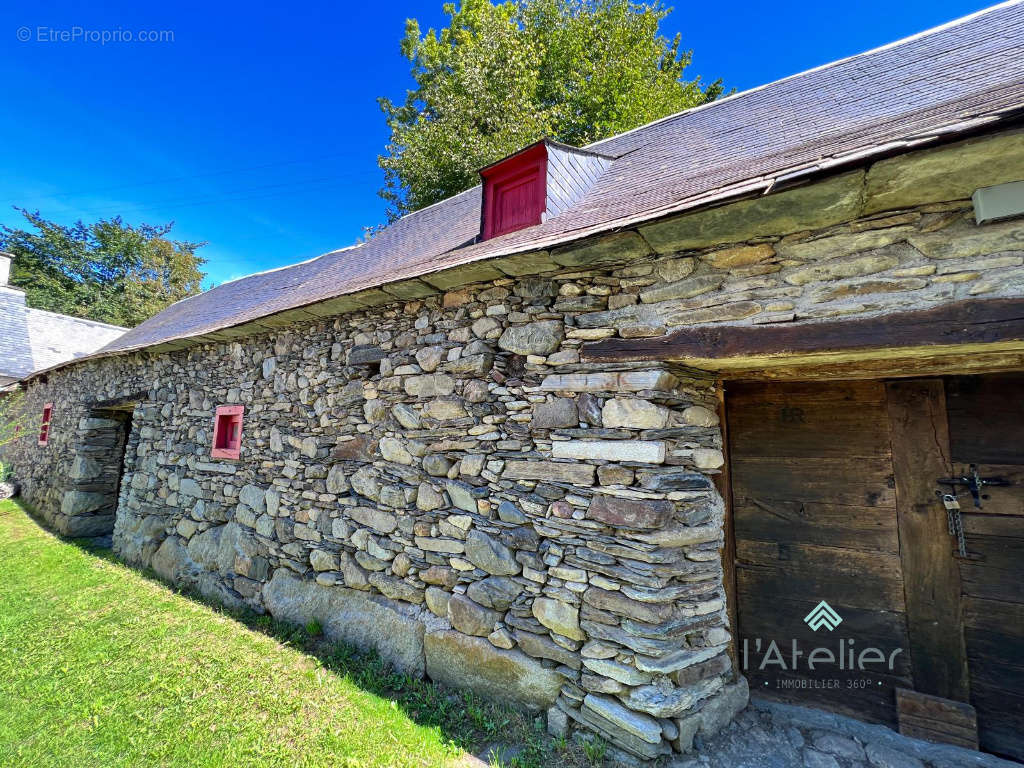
(823, 615)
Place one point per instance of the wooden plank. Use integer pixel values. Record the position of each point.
(973, 321)
(802, 420)
(935, 718)
(850, 527)
(1000, 714)
(980, 613)
(835, 587)
(986, 419)
(858, 482)
(931, 578)
(781, 618)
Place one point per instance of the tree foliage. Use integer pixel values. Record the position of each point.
(108, 271)
(499, 77)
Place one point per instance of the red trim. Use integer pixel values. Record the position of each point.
(227, 432)
(44, 427)
(515, 192)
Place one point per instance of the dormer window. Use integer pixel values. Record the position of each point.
(535, 184)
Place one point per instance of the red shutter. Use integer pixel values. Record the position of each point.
(44, 428)
(227, 432)
(515, 192)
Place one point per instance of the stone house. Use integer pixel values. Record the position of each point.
(32, 339)
(592, 435)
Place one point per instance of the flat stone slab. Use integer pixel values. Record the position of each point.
(644, 451)
(354, 617)
(472, 663)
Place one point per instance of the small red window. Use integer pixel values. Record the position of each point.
(227, 432)
(515, 191)
(44, 428)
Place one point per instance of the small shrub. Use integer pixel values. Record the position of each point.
(314, 628)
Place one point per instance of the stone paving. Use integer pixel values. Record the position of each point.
(772, 735)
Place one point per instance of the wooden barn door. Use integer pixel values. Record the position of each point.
(814, 505)
(833, 488)
(986, 428)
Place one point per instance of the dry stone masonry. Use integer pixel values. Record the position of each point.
(448, 480)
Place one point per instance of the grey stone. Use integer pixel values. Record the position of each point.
(461, 495)
(840, 746)
(406, 416)
(378, 519)
(560, 412)
(357, 618)
(427, 498)
(815, 759)
(189, 487)
(543, 647)
(574, 473)
(642, 726)
(540, 338)
(437, 601)
(558, 617)
(253, 497)
(429, 385)
(497, 592)
(437, 466)
(633, 413)
(470, 617)
(82, 502)
(659, 700)
(490, 554)
(624, 673)
(510, 513)
(882, 756)
(644, 451)
(393, 449)
(475, 664)
(336, 480)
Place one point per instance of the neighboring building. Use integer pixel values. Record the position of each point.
(702, 377)
(33, 339)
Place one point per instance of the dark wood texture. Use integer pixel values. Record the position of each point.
(936, 719)
(973, 321)
(833, 497)
(931, 579)
(815, 519)
(986, 424)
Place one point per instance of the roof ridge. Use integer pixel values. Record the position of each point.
(902, 41)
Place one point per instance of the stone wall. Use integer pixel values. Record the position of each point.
(444, 479)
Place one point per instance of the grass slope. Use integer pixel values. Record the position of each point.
(103, 666)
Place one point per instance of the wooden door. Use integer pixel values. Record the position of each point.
(986, 427)
(833, 488)
(814, 504)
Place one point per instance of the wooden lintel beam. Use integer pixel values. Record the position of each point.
(969, 322)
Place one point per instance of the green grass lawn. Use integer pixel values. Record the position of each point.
(102, 666)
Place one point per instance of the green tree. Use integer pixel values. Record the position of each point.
(499, 77)
(108, 271)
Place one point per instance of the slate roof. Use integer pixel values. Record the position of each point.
(947, 80)
(33, 339)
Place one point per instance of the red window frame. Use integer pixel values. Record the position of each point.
(44, 427)
(227, 432)
(515, 192)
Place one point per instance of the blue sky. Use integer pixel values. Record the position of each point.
(257, 129)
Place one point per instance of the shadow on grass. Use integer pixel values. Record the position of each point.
(503, 736)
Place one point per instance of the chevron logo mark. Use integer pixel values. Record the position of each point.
(823, 615)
